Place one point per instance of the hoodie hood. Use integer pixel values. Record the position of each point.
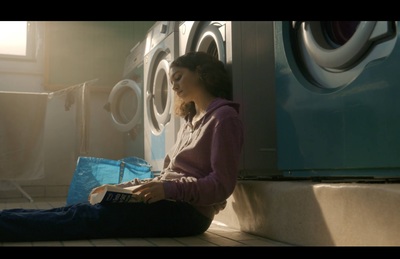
(217, 103)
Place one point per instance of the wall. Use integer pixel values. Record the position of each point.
(80, 51)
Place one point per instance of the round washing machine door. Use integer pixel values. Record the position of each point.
(211, 40)
(334, 53)
(158, 99)
(125, 102)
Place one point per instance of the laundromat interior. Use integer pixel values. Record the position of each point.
(320, 165)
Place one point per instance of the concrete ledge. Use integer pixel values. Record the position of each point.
(306, 213)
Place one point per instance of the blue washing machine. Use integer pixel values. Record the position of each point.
(338, 89)
(161, 125)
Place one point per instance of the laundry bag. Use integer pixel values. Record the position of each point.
(91, 172)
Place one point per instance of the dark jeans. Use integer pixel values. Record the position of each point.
(85, 221)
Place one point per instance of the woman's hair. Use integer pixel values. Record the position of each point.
(212, 75)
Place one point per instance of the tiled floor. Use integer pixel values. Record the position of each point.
(217, 234)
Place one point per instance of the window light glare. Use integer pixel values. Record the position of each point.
(13, 38)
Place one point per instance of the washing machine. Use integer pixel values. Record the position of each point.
(207, 36)
(161, 125)
(246, 48)
(125, 102)
(337, 88)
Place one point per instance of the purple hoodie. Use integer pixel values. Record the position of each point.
(203, 165)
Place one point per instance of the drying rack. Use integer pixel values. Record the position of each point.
(19, 188)
(15, 185)
(84, 130)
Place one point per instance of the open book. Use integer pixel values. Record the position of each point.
(114, 194)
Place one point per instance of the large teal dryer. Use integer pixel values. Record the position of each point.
(338, 98)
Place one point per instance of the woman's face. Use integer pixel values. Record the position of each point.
(185, 83)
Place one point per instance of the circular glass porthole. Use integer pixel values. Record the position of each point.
(159, 94)
(331, 54)
(212, 42)
(125, 102)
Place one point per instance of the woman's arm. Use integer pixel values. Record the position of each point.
(218, 184)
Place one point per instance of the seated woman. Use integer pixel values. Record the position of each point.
(199, 174)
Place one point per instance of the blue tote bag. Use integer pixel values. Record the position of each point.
(91, 172)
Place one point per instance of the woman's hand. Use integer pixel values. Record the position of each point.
(151, 191)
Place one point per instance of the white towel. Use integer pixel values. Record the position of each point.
(22, 121)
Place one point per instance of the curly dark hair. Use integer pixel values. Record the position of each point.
(213, 75)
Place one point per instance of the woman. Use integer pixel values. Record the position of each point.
(199, 174)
